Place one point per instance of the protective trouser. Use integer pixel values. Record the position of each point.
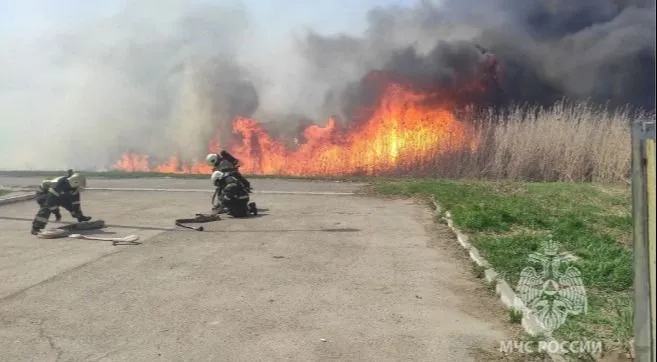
(42, 193)
(51, 203)
(41, 200)
(236, 174)
(234, 200)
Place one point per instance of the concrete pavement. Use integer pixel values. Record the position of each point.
(313, 278)
(261, 185)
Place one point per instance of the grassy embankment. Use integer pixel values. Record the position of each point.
(508, 220)
(587, 210)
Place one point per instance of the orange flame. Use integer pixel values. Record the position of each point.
(403, 132)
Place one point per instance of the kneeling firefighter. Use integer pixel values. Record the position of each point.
(61, 192)
(232, 195)
(226, 163)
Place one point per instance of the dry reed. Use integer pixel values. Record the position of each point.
(570, 142)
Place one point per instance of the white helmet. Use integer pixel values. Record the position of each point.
(77, 181)
(211, 159)
(216, 176)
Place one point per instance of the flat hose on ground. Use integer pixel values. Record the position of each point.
(200, 218)
(66, 230)
(84, 225)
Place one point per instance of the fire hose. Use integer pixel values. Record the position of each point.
(200, 218)
(215, 196)
(68, 231)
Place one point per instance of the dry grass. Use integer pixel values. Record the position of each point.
(567, 142)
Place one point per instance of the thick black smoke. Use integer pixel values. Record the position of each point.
(526, 51)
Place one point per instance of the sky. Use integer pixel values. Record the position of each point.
(325, 16)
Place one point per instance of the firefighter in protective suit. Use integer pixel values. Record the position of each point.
(227, 164)
(213, 159)
(232, 195)
(42, 192)
(61, 192)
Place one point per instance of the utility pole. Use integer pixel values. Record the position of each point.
(643, 212)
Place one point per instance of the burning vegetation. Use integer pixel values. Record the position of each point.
(405, 130)
(406, 126)
(414, 114)
(402, 132)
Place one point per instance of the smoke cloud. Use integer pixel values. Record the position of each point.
(163, 77)
(602, 51)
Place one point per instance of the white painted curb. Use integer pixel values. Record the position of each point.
(14, 199)
(530, 323)
(211, 191)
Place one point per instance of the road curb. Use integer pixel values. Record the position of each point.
(13, 199)
(503, 290)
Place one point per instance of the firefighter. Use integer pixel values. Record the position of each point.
(42, 192)
(61, 192)
(227, 164)
(213, 160)
(231, 194)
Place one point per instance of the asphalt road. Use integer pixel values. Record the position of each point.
(312, 278)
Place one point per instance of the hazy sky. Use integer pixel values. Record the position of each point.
(280, 16)
(45, 87)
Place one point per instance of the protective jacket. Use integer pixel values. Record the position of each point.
(55, 193)
(229, 165)
(42, 195)
(225, 156)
